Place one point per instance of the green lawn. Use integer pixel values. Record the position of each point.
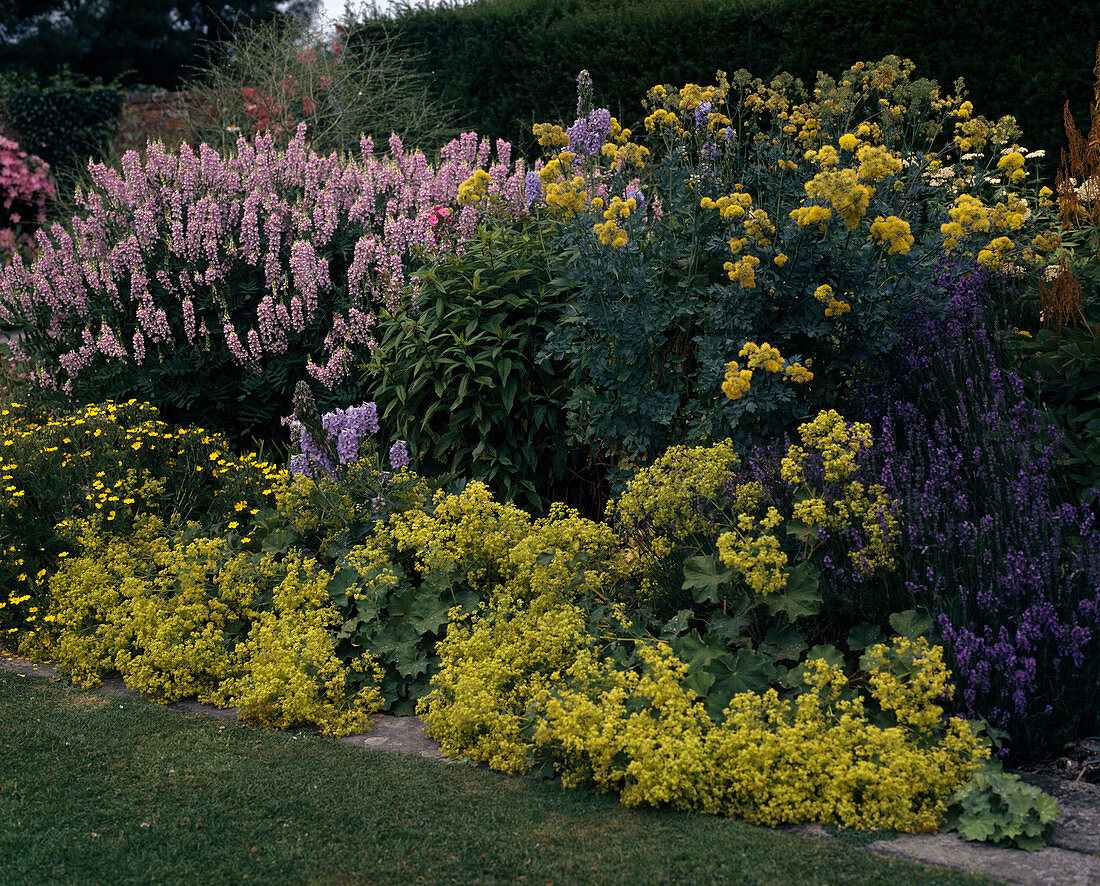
(97, 789)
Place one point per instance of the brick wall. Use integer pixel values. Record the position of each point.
(150, 115)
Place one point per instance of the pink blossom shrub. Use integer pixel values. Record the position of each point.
(211, 286)
(25, 189)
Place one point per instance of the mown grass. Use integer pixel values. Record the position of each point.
(99, 789)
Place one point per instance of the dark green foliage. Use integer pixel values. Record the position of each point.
(65, 122)
(147, 41)
(505, 62)
(399, 619)
(457, 376)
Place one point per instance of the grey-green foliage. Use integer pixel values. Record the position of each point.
(300, 74)
(998, 807)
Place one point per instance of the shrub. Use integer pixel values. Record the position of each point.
(116, 460)
(277, 75)
(456, 370)
(222, 280)
(25, 190)
(67, 120)
(988, 546)
(775, 242)
(193, 615)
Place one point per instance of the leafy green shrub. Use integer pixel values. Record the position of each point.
(456, 371)
(117, 460)
(424, 568)
(66, 121)
(771, 250)
(210, 286)
(181, 614)
(276, 75)
(1000, 808)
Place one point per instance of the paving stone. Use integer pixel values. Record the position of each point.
(1078, 827)
(1048, 867)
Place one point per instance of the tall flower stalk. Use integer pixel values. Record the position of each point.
(263, 267)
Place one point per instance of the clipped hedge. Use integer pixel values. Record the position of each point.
(500, 61)
(66, 124)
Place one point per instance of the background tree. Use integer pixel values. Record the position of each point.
(153, 42)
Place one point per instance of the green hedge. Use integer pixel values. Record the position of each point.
(65, 125)
(510, 62)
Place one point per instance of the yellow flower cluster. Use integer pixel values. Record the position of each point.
(805, 216)
(876, 163)
(639, 733)
(993, 255)
(737, 381)
(743, 271)
(563, 190)
(834, 307)
(844, 190)
(180, 618)
(759, 227)
(475, 189)
(754, 551)
(550, 135)
(729, 206)
(610, 234)
(766, 357)
(662, 500)
(894, 232)
(839, 443)
(663, 119)
(1012, 164)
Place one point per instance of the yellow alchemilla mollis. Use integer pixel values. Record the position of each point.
(469, 530)
(664, 497)
(838, 441)
(492, 668)
(294, 675)
(754, 552)
(567, 535)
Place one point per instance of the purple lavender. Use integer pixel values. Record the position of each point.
(1011, 572)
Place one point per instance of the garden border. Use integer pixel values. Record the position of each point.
(1071, 858)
